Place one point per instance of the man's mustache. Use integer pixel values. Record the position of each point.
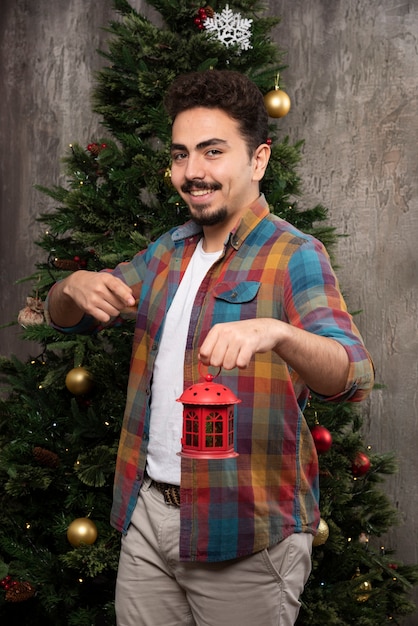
(199, 184)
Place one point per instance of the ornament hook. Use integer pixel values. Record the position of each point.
(208, 376)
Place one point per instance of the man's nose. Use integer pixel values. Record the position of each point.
(195, 168)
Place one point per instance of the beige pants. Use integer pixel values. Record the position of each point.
(155, 589)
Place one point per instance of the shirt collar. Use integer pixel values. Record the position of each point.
(257, 211)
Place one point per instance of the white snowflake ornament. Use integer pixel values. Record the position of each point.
(230, 28)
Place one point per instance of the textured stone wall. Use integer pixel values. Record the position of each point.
(353, 81)
(353, 78)
(47, 60)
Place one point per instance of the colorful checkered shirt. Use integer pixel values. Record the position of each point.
(236, 506)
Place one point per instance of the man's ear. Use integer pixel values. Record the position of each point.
(260, 160)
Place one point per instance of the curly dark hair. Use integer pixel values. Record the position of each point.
(232, 92)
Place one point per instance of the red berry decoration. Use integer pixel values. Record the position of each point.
(360, 465)
(322, 438)
(19, 591)
(6, 582)
(202, 15)
(93, 148)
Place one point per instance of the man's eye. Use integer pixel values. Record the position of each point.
(213, 152)
(179, 156)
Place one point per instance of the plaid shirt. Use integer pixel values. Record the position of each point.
(237, 506)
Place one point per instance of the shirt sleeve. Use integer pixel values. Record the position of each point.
(314, 303)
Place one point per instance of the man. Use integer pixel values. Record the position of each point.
(226, 541)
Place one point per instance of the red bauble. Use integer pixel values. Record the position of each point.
(360, 465)
(322, 438)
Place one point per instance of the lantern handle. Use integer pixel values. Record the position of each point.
(208, 376)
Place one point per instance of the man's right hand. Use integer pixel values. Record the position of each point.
(98, 294)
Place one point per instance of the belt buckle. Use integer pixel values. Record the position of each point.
(171, 495)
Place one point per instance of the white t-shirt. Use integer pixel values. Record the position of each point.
(163, 462)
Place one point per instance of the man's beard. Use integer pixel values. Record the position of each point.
(198, 213)
(209, 219)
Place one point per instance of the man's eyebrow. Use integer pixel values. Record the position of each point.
(200, 146)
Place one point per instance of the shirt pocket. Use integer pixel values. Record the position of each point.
(235, 301)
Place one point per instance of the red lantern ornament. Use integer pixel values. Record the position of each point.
(208, 421)
(360, 465)
(322, 438)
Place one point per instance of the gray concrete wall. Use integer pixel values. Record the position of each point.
(353, 82)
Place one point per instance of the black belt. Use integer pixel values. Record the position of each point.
(171, 493)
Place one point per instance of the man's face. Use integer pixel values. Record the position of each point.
(211, 168)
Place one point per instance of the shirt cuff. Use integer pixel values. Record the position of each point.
(86, 325)
(343, 396)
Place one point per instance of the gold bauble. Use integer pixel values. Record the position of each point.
(322, 533)
(167, 177)
(277, 103)
(364, 589)
(79, 381)
(82, 530)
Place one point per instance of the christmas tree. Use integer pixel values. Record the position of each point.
(62, 409)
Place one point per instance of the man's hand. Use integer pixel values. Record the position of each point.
(233, 344)
(99, 294)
